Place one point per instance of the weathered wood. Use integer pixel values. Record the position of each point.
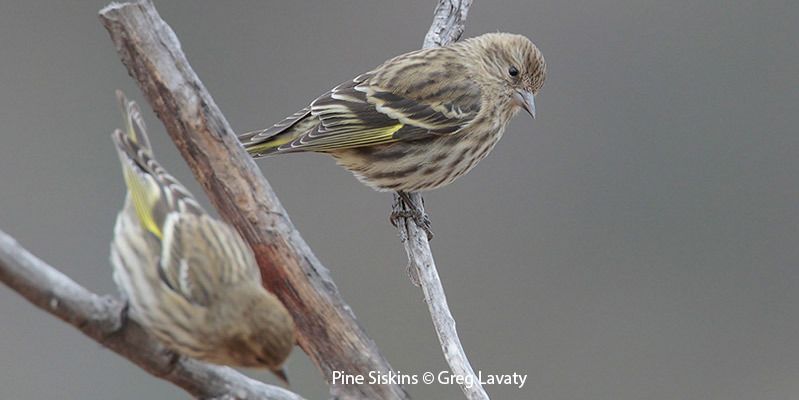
(329, 332)
(327, 329)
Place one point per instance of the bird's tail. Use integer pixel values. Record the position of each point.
(257, 145)
(153, 192)
(134, 123)
(270, 141)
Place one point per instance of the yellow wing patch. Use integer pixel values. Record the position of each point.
(269, 144)
(143, 199)
(358, 138)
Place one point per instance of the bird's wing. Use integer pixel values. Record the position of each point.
(364, 112)
(201, 256)
(398, 101)
(196, 251)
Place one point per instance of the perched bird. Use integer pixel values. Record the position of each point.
(420, 120)
(190, 279)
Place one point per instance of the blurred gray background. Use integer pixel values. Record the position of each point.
(640, 240)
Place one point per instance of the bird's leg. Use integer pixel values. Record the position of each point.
(122, 310)
(418, 214)
(173, 360)
(124, 313)
(406, 208)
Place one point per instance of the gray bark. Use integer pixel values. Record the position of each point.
(328, 330)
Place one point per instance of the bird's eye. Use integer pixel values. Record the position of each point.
(513, 71)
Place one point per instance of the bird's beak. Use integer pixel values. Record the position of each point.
(281, 374)
(525, 100)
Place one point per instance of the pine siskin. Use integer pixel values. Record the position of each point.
(190, 279)
(420, 120)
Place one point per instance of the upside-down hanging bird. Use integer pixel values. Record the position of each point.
(189, 279)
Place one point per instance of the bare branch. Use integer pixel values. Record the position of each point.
(328, 330)
(449, 20)
(447, 27)
(100, 318)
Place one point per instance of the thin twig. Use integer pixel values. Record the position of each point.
(447, 27)
(101, 318)
(327, 329)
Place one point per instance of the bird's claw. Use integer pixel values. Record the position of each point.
(123, 314)
(407, 209)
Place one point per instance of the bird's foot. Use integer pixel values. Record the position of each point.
(421, 219)
(124, 314)
(173, 360)
(406, 208)
(122, 309)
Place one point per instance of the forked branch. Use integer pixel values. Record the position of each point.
(327, 329)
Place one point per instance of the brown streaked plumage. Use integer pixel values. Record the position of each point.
(189, 279)
(419, 120)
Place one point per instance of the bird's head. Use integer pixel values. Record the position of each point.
(263, 332)
(515, 66)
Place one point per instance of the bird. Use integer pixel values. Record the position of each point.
(189, 279)
(420, 120)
